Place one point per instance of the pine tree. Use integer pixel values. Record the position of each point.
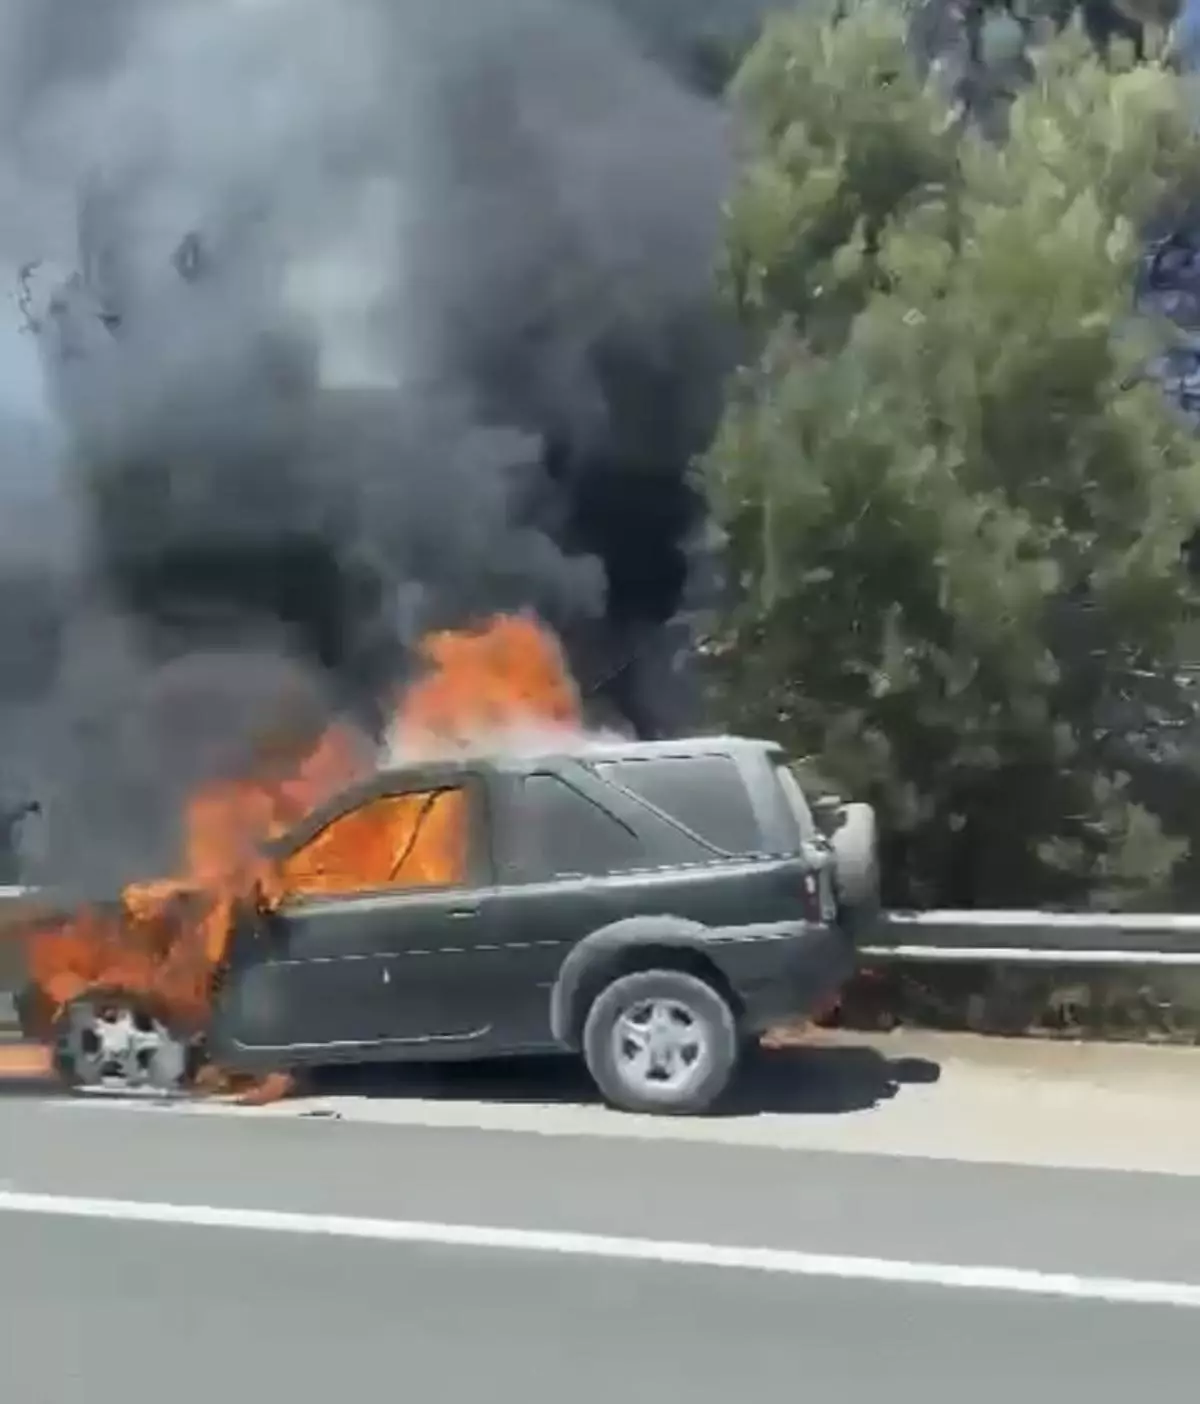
(955, 500)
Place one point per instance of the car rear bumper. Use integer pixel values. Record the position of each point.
(786, 975)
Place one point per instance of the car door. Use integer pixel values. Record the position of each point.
(552, 891)
(375, 900)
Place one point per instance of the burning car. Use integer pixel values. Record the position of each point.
(652, 906)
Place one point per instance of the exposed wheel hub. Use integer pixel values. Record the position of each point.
(118, 1047)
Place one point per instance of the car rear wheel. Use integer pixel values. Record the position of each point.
(661, 1041)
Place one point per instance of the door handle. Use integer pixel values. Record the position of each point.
(458, 913)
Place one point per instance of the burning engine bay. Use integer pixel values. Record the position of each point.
(122, 992)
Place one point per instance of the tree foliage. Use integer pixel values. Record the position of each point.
(955, 502)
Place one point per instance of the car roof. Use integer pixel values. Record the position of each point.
(520, 760)
(681, 746)
(525, 757)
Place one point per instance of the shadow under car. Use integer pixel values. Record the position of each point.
(818, 1079)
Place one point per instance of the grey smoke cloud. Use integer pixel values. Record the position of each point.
(426, 283)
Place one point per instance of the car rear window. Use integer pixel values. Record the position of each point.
(706, 794)
(565, 834)
(796, 802)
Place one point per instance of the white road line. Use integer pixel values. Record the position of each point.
(781, 1261)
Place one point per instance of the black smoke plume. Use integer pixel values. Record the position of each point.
(352, 320)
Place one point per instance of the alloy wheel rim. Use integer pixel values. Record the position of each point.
(660, 1046)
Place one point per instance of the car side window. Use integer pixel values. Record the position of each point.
(417, 839)
(565, 834)
(704, 793)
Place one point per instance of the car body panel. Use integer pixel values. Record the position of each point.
(489, 966)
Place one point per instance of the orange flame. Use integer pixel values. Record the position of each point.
(165, 938)
(508, 675)
(20, 1062)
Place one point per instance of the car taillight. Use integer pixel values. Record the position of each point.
(818, 898)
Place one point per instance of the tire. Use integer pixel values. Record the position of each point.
(129, 1050)
(680, 1013)
(856, 866)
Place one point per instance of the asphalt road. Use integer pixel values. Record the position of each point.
(260, 1308)
(105, 1311)
(903, 1209)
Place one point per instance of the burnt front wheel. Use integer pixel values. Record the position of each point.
(112, 1043)
(661, 1041)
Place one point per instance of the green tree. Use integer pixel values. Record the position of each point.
(955, 502)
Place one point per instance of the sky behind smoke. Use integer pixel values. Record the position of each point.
(21, 383)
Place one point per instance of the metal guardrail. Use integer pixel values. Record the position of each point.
(1039, 938)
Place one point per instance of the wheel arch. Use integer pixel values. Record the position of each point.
(637, 943)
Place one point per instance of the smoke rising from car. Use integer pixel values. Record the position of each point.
(343, 323)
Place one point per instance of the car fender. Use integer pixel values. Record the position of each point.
(600, 944)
